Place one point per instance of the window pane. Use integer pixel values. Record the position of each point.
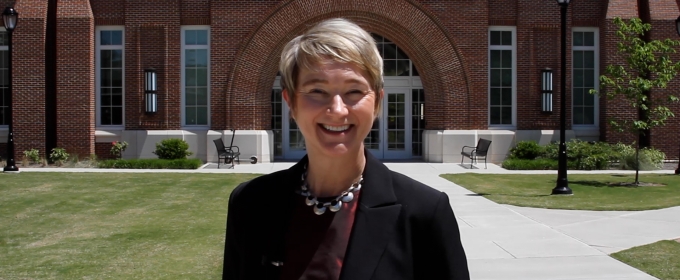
(117, 58)
(415, 71)
(105, 116)
(390, 67)
(578, 96)
(588, 115)
(202, 115)
(403, 67)
(495, 38)
(578, 39)
(507, 38)
(190, 77)
(495, 78)
(381, 49)
(117, 115)
(105, 37)
(506, 115)
(507, 59)
(588, 99)
(507, 77)
(106, 58)
(105, 99)
(201, 37)
(105, 78)
(578, 59)
(116, 37)
(190, 37)
(117, 77)
(578, 115)
(190, 58)
(401, 54)
(578, 78)
(117, 100)
(202, 77)
(202, 96)
(190, 96)
(201, 58)
(589, 59)
(589, 39)
(495, 96)
(190, 116)
(495, 59)
(4, 40)
(507, 96)
(390, 51)
(589, 78)
(495, 115)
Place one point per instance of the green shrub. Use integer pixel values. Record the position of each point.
(59, 155)
(526, 150)
(151, 163)
(172, 149)
(536, 164)
(551, 150)
(590, 155)
(650, 159)
(33, 155)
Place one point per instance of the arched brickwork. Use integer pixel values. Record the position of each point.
(404, 22)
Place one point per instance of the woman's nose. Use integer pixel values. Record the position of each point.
(338, 105)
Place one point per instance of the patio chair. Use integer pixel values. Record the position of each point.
(475, 153)
(229, 154)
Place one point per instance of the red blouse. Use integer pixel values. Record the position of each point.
(316, 244)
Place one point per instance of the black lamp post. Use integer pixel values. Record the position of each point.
(562, 186)
(677, 29)
(10, 18)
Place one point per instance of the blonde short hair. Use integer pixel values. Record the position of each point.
(338, 39)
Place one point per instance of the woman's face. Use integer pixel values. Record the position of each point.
(335, 107)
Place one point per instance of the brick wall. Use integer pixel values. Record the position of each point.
(103, 151)
(75, 77)
(28, 77)
(447, 40)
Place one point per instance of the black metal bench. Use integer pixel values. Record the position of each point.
(475, 153)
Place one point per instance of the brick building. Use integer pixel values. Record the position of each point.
(456, 70)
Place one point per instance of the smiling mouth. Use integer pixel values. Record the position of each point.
(331, 128)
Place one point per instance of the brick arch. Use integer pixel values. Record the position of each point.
(403, 22)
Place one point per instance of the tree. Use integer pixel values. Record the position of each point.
(647, 66)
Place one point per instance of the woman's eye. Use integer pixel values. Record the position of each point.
(316, 90)
(356, 91)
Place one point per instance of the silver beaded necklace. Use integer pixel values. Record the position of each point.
(334, 205)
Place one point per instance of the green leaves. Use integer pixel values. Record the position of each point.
(647, 66)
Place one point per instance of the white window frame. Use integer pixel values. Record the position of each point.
(4, 48)
(513, 48)
(97, 75)
(183, 29)
(596, 57)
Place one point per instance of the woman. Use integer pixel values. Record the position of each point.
(339, 213)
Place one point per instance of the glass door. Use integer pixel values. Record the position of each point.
(293, 142)
(390, 136)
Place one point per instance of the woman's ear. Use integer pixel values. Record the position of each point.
(288, 102)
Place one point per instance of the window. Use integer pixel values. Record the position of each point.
(395, 61)
(4, 79)
(584, 76)
(502, 76)
(417, 120)
(195, 76)
(110, 76)
(277, 121)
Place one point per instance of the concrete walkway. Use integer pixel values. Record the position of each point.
(509, 242)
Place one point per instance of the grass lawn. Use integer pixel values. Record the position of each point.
(113, 225)
(591, 191)
(660, 259)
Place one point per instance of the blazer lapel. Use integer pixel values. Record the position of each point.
(374, 224)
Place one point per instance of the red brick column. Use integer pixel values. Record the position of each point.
(75, 77)
(28, 77)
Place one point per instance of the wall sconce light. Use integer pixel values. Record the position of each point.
(150, 96)
(546, 90)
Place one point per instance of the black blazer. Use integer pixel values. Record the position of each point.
(403, 229)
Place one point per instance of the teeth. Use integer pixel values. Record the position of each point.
(336, 128)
